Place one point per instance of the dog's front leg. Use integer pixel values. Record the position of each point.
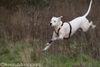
(54, 37)
(61, 35)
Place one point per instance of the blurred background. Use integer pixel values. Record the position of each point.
(24, 30)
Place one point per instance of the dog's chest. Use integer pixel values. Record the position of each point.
(65, 29)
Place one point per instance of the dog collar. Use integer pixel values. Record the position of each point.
(57, 32)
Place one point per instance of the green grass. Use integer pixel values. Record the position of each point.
(33, 54)
(11, 55)
(10, 59)
(6, 51)
(65, 61)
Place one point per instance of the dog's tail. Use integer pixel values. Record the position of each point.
(88, 9)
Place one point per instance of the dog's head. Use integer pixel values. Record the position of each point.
(55, 21)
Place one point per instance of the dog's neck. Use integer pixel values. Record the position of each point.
(59, 25)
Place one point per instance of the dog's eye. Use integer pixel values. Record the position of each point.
(54, 21)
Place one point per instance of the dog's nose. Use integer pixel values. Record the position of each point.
(50, 24)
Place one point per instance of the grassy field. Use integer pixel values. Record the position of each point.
(24, 52)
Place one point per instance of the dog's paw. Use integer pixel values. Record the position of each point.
(47, 44)
(45, 48)
(93, 26)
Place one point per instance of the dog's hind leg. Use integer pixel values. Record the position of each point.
(86, 25)
(92, 25)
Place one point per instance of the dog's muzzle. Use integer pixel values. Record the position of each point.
(50, 24)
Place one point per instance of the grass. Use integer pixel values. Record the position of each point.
(33, 54)
(10, 59)
(6, 51)
(11, 55)
(76, 61)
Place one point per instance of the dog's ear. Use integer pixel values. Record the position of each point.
(59, 18)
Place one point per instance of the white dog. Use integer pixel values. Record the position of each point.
(65, 30)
